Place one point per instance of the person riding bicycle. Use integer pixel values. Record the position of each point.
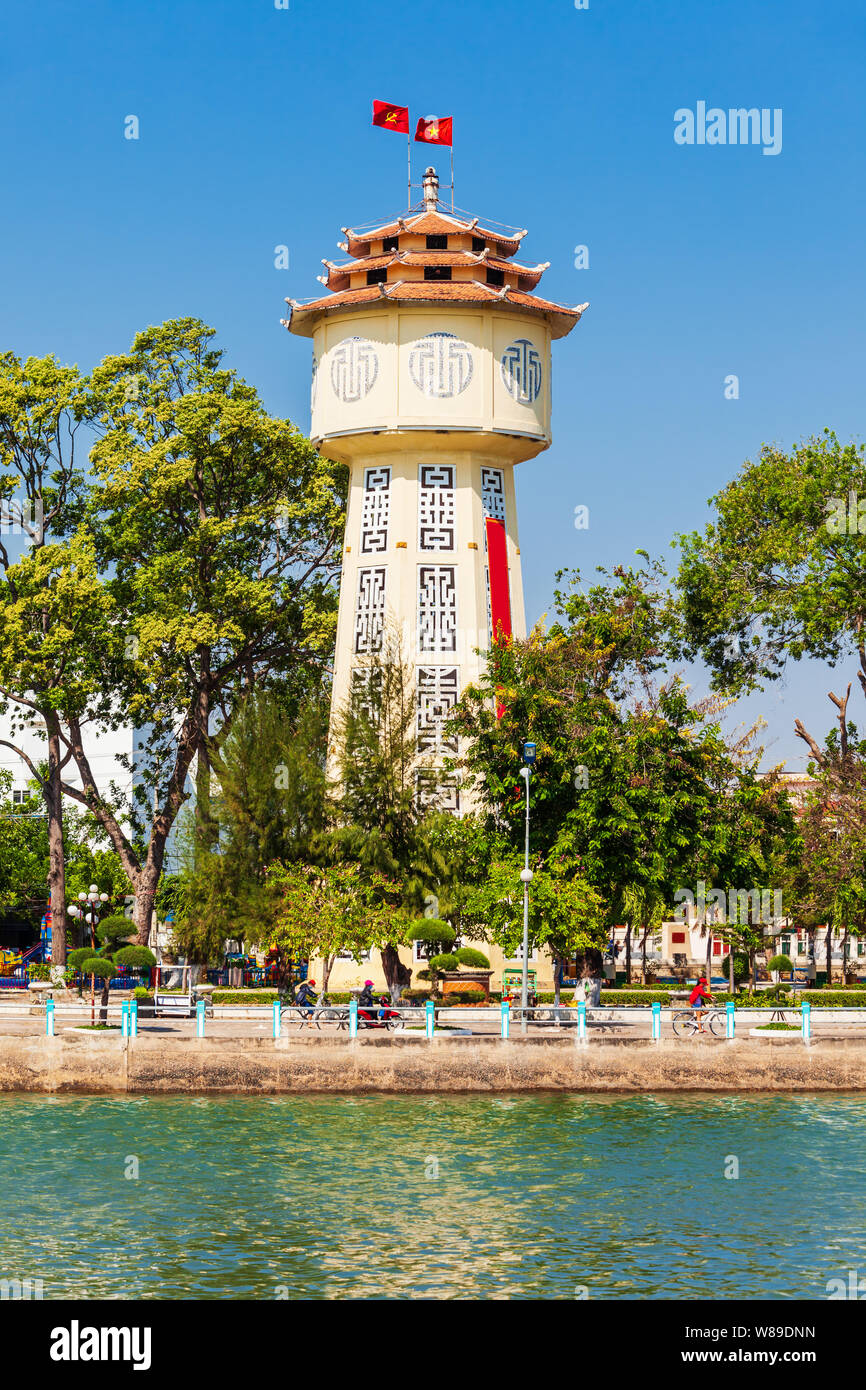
(699, 997)
(305, 999)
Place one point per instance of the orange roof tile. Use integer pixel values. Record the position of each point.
(430, 224)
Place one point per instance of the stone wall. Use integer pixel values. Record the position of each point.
(75, 1062)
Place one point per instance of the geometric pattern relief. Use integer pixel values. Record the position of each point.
(521, 371)
(366, 692)
(354, 368)
(437, 695)
(437, 608)
(436, 507)
(376, 511)
(435, 792)
(493, 494)
(440, 365)
(370, 611)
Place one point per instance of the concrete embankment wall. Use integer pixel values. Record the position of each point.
(82, 1063)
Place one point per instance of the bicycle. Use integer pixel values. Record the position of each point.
(686, 1025)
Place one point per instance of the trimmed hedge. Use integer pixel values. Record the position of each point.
(244, 996)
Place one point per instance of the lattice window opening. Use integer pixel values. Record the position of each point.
(436, 507)
(437, 689)
(370, 611)
(433, 791)
(375, 511)
(492, 497)
(437, 608)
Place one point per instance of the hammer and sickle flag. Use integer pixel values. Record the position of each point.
(434, 130)
(391, 117)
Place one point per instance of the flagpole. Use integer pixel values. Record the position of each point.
(452, 173)
(409, 168)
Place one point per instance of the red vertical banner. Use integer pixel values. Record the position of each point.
(500, 599)
(497, 566)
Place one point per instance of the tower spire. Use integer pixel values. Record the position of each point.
(431, 189)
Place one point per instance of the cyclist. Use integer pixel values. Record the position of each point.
(700, 996)
(305, 999)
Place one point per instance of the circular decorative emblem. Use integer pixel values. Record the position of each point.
(313, 384)
(521, 371)
(441, 365)
(354, 368)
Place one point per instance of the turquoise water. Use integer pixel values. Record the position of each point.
(406, 1196)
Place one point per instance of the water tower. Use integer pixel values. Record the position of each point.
(431, 380)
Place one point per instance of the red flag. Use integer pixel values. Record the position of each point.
(391, 117)
(434, 130)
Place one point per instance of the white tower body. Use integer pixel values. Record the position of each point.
(431, 380)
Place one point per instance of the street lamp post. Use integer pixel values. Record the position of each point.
(94, 900)
(526, 879)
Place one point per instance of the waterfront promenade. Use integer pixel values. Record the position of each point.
(241, 1055)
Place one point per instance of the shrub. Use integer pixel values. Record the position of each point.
(134, 957)
(39, 972)
(100, 966)
(432, 931)
(471, 958)
(116, 927)
(780, 963)
(741, 967)
(144, 996)
(457, 997)
(447, 962)
(75, 959)
(244, 996)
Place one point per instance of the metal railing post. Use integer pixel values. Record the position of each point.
(581, 1021)
(806, 1022)
(277, 1019)
(353, 1018)
(133, 1019)
(506, 1019)
(199, 1019)
(430, 1017)
(49, 1018)
(124, 1018)
(730, 1016)
(657, 1021)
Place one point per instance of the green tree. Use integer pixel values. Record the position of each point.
(217, 530)
(781, 572)
(324, 911)
(42, 630)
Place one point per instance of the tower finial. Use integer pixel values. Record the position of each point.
(431, 189)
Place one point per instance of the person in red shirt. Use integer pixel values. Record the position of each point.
(699, 997)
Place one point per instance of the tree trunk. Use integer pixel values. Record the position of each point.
(557, 978)
(628, 955)
(731, 983)
(103, 1003)
(327, 967)
(829, 954)
(397, 976)
(709, 965)
(753, 967)
(643, 953)
(53, 797)
(845, 956)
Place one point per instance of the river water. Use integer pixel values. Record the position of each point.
(555, 1197)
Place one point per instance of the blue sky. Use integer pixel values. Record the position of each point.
(704, 261)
